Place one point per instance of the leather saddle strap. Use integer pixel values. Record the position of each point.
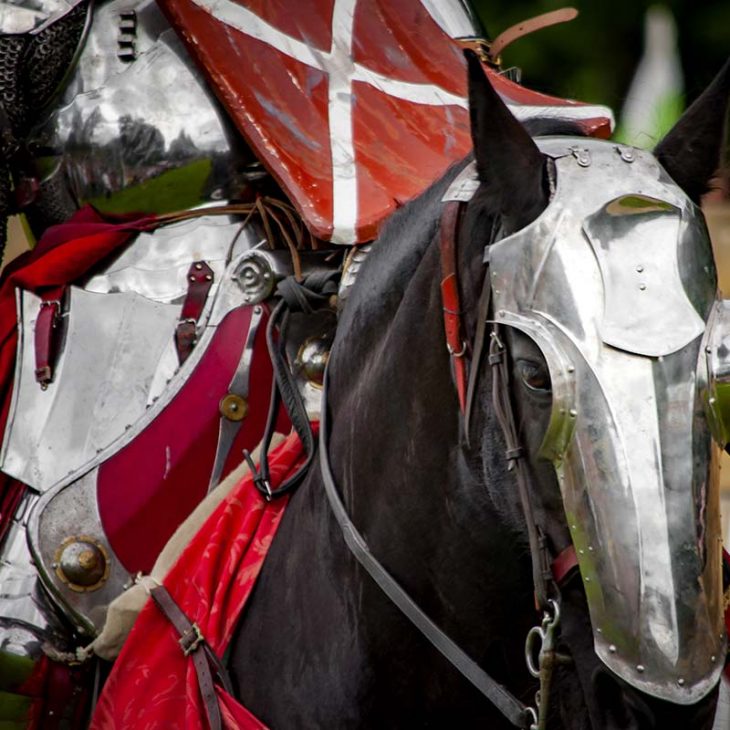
(47, 335)
(194, 645)
(450, 299)
(200, 279)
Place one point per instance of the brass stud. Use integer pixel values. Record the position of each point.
(82, 563)
(233, 407)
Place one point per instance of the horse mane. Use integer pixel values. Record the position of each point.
(405, 238)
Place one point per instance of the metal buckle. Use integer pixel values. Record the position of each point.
(191, 640)
(454, 353)
(541, 641)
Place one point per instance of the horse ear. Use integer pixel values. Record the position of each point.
(509, 163)
(691, 151)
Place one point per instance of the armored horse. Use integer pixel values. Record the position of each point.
(572, 470)
(142, 318)
(134, 366)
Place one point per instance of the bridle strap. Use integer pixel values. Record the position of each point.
(541, 570)
(480, 339)
(450, 300)
(514, 710)
(563, 565)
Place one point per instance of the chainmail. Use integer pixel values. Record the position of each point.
(49, 55)
(54, 205)
(32, 68)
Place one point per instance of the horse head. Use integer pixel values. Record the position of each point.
(603, 299)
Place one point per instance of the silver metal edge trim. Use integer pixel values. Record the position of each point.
(50, 585)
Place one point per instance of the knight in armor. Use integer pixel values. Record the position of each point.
(138, 373)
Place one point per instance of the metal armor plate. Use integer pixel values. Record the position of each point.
(629, 435)
(32, 16)
(118, 353)
(113, 347)
(124, 138)
(131, 502)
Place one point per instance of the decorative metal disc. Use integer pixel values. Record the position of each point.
(312, 358)
(82, 563)
(233, 407)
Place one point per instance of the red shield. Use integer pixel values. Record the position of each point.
(355, 106)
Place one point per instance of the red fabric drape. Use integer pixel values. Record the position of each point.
(64, 254)
(153, 685)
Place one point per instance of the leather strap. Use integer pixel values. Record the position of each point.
(238, 388)
(541, 564)
(526, 27)
(193, 644)
(47, 335)
(450, 299)
(200, 279)
(309, 295)
(565, 562)
(478, 351)
(514, 710)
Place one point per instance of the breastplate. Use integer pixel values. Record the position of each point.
(136, 129)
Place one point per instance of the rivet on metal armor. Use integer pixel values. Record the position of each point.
(233, 407)
(82, 563)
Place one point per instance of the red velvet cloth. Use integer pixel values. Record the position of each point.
(64, 254)
(153, 685)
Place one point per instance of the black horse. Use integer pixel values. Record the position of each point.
(320, 646)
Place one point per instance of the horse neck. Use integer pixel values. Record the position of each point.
(409, 486)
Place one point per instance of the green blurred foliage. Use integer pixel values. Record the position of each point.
(593, 58)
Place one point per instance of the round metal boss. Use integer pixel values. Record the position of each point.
(255, 277)
(233, 407)
(82, 563)
(312, 358)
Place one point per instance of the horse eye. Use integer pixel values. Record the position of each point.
(534, 375)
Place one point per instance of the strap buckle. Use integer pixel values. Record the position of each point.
(191, 639)
(455, 353)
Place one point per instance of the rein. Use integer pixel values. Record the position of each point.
(515, 711)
